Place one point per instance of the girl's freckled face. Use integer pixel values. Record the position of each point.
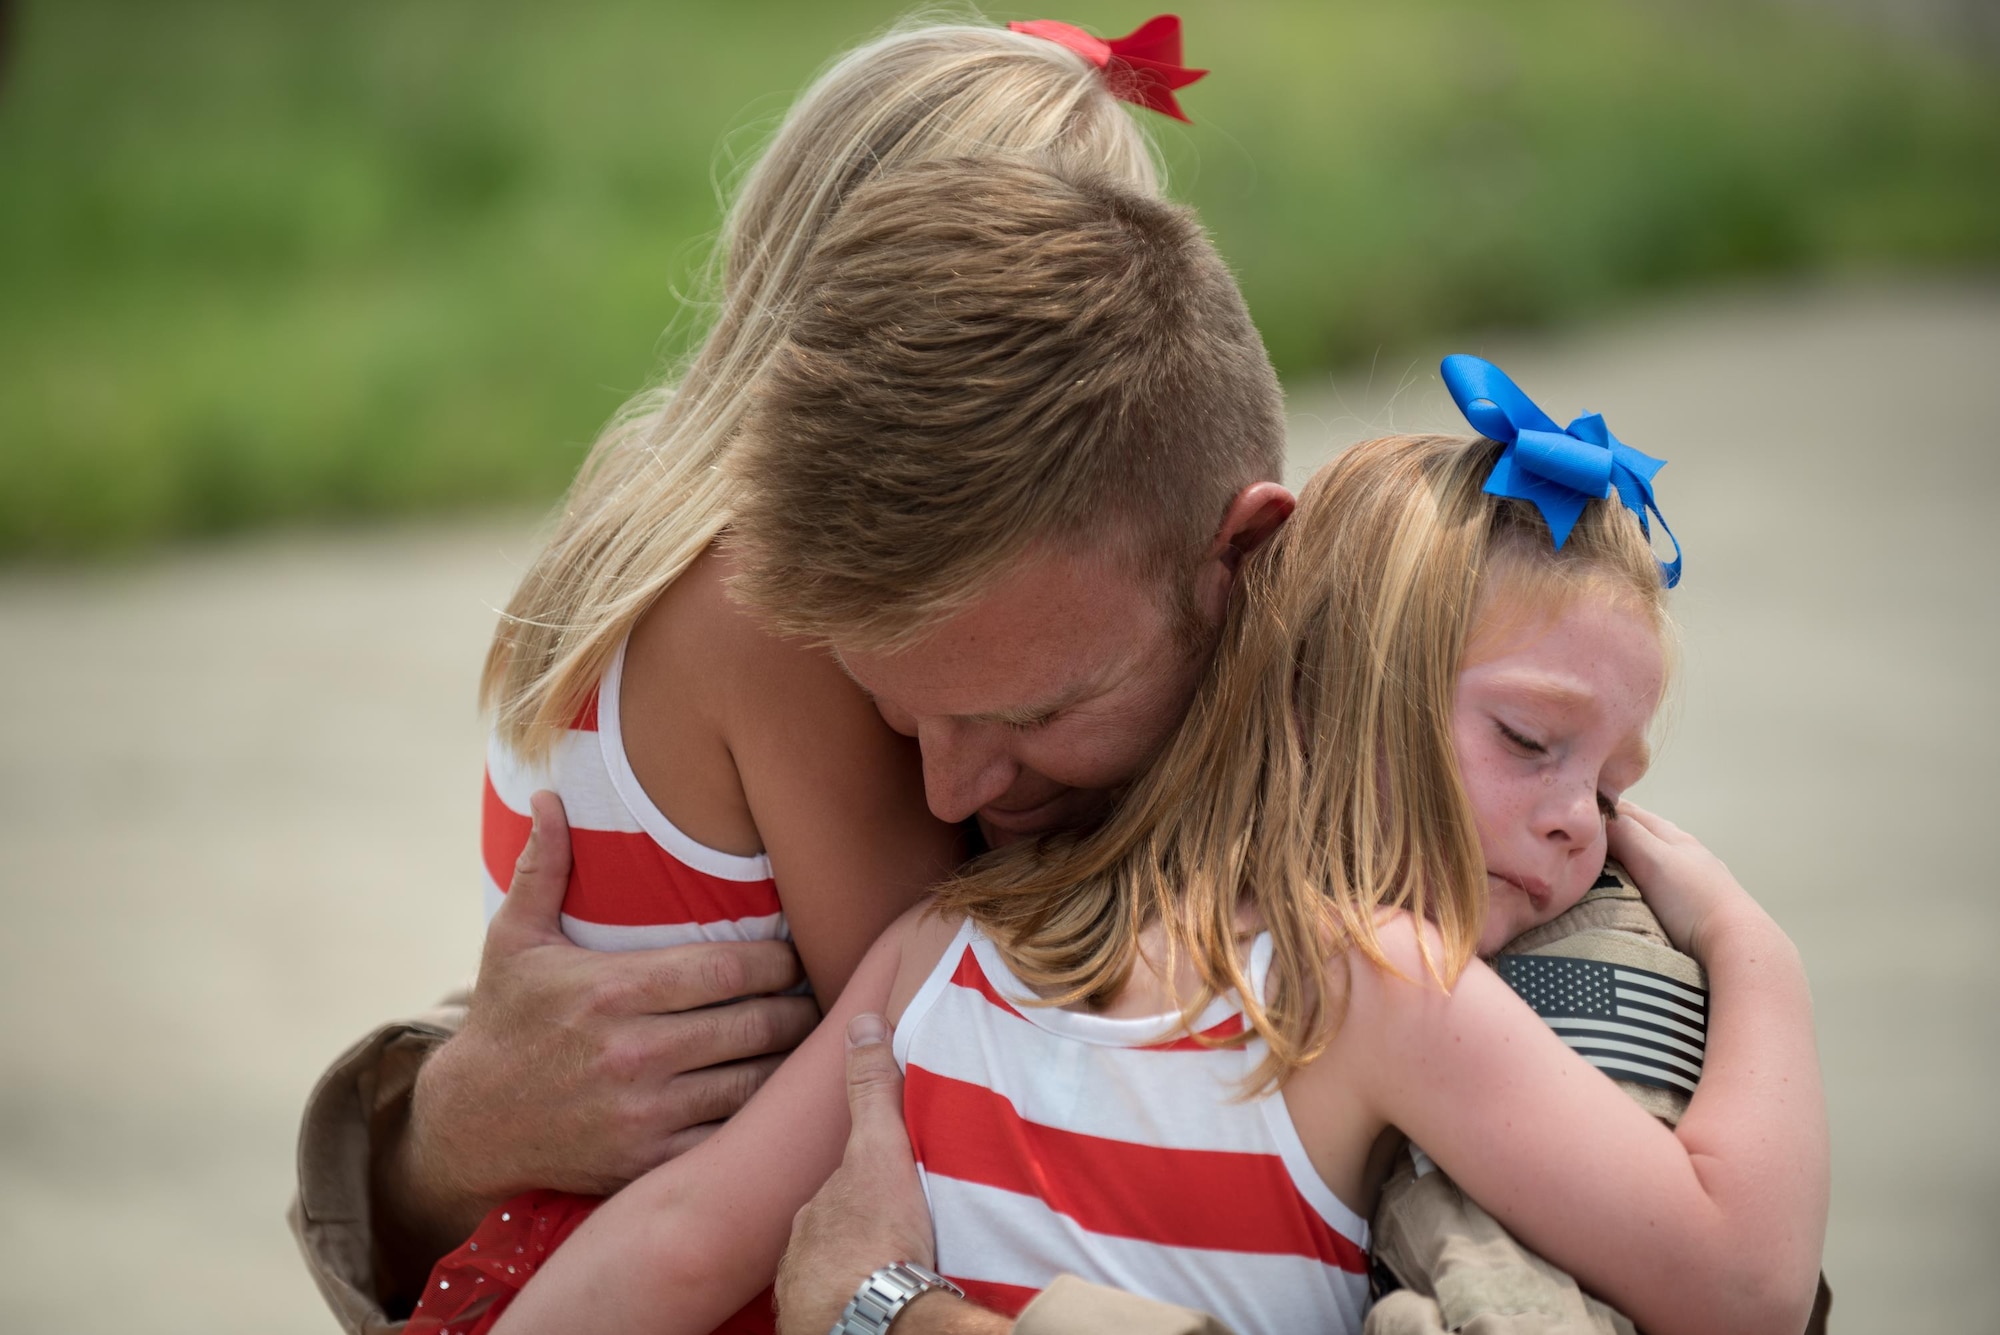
(1550, 722)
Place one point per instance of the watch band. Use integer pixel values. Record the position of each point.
(884, 1294)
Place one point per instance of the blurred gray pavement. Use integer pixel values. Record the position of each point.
(238, 802)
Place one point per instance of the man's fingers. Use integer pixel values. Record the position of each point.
(670, 1046)
(874, 1084)
(717, 1093)
(671, 979)
(541, 874)
(684, 1140)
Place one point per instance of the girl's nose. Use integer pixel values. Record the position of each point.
(1569, 816)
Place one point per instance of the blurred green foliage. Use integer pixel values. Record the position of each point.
(267, 261)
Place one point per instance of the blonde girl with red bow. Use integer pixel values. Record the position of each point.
(723, 783)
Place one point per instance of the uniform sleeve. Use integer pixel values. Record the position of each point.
(1462, 1271)
(331, 1214)
(1072, 1307)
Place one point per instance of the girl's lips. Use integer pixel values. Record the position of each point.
(1534, 887)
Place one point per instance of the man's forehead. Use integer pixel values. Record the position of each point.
(1057, 629)
(941, 677)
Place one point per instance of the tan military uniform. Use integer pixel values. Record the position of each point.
(1071, 1306)
(331, 1216)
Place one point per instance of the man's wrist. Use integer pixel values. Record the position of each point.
(940, 1312)
(882, 1298)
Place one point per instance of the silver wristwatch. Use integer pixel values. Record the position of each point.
(884, 1294)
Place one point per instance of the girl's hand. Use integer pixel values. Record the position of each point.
(1687, 887)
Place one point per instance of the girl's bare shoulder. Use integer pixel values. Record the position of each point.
(714, 654)
(1407, 946)
(707, 689)
(1408, 992)
(703, 672)
(926, 934)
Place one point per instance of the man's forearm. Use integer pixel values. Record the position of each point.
(417, 1215)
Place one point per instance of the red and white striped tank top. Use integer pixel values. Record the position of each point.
(636, 881)
(1052, 1142)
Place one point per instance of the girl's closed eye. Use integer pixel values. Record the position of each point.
(1520, 741)
(1607, 804)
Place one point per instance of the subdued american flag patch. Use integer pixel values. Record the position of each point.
(1631, 1024)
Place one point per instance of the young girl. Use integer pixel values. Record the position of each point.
(722, 783)
(1170, 1056)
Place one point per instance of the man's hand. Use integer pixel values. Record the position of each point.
(580, 1069)
(870, 1213)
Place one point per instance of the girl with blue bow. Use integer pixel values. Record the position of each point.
(1448, 1263)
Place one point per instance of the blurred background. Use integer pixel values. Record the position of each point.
(306, 312)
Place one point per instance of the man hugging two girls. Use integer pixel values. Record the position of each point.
(984, 451)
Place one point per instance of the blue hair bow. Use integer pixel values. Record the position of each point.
(1558, 469)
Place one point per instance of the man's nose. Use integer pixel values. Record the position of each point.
(964, 768)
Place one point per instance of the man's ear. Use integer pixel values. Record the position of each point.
(1252, 516)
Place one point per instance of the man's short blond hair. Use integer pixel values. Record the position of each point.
(993, 357)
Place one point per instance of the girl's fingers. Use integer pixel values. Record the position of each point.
(1656, 825)
(1634, 843)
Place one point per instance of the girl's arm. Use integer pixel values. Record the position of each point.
(1755, 1130)
(1714, 1227)
(839, 800)
(685, 1246)
(750, 741)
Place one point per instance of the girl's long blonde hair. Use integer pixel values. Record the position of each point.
(1315, 780)
(650, 497)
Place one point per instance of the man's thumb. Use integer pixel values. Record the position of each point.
(874, 1084)
(541, 873)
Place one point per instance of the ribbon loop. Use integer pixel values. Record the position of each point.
(1559, 470)
(1566, 461)
(1143, 67)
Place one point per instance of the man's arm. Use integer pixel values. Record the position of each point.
(872, 1213)
(573, 1069)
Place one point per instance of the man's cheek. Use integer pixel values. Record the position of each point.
(1101, 759)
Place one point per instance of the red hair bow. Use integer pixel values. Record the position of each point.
(1143, 67)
